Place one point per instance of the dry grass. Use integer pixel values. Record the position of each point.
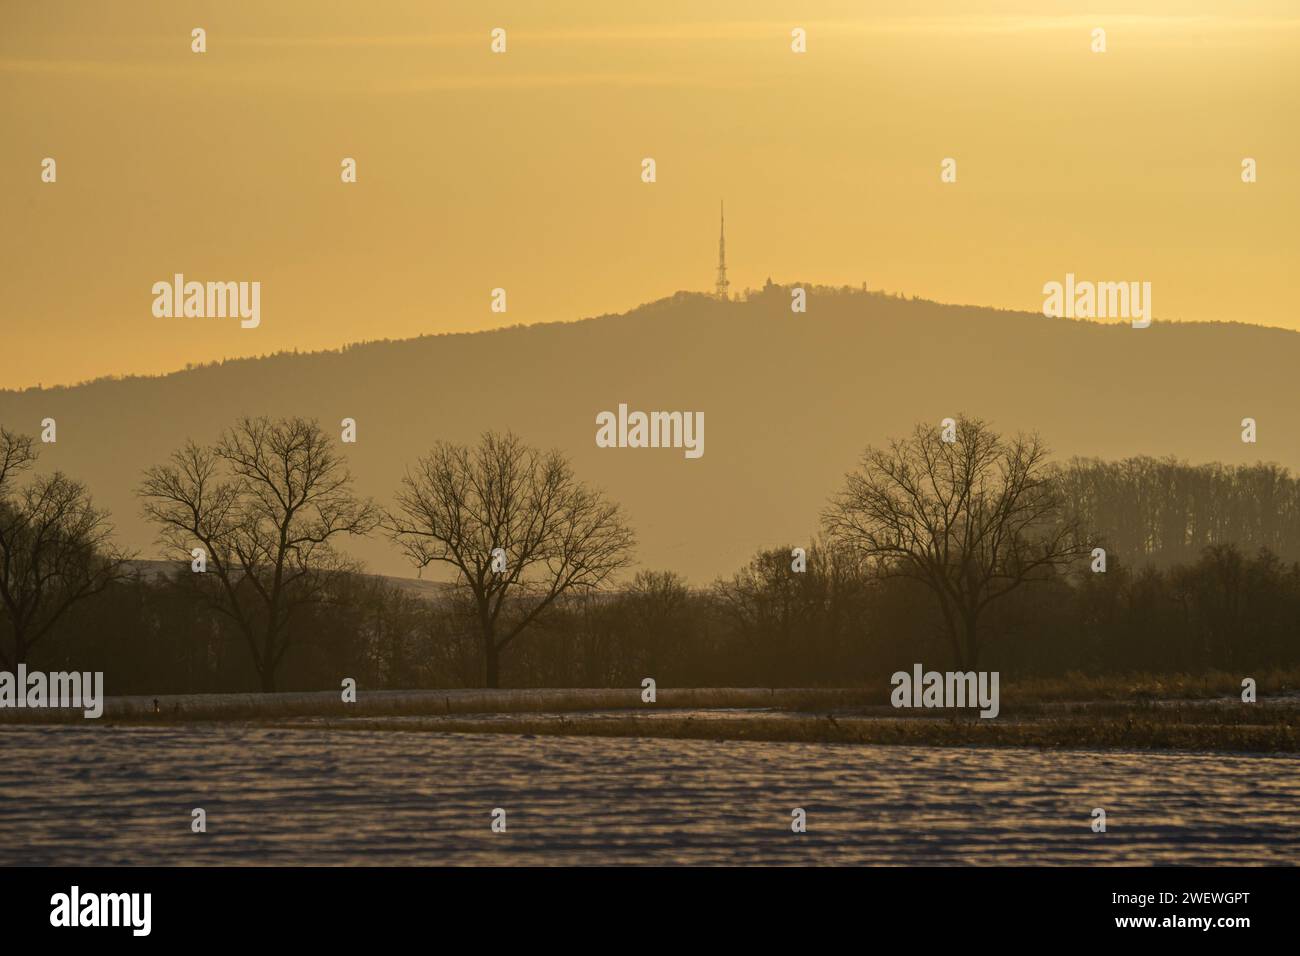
(1142, 711)
(188, 707)
(1134, 687)
(1263, 730)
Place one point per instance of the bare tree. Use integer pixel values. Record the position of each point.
(264, 504)
(655, 612)
(972, 519)
(515, 526)
(54, 549)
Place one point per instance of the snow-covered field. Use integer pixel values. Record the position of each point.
(124, 795)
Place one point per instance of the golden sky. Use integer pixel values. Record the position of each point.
(522, 170)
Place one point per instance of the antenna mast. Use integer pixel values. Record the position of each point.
(722, 285)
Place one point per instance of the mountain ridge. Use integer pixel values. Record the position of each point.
(790, 402)
(675, 297)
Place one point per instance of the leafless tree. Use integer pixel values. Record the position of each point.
(54, 549)
(656, 610)
(265, 504)
(972, 519)
(549, 533)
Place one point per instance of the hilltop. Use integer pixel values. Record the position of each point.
(790, 401)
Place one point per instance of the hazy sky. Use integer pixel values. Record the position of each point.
(522, 170)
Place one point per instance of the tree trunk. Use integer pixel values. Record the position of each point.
(954, 633)
(267, 670)
(491, 663)
(970, 623)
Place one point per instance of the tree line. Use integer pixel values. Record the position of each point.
(961, 547)
(1165, 511)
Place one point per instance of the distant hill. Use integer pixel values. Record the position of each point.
(790, 400)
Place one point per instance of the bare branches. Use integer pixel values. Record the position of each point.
(55, 548)
(458, 506)
(972, 519)
(16, 454)
(264, 503)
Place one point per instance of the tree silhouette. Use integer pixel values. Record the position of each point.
(264, 503)
(515, 525)
(1166, 511)
(54, 549)
(972, 519)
